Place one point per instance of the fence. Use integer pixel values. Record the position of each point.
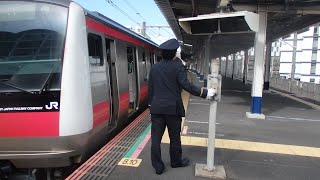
(299, 89)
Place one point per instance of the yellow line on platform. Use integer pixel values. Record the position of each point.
(250, 146)
(185, 99)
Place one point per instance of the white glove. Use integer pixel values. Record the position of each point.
(211, 92)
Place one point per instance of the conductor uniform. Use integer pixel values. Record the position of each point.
(166, 81)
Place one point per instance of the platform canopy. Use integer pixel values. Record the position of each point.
(284, 17)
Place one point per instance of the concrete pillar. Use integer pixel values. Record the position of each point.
(267, 67)
(206, 64)
(220, 64)
(226, 68)
(234, 64)
(294, 56)
(241, 67)
(245, 69)
(257, 83)
(198, 67)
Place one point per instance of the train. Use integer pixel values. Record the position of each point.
(68, 79)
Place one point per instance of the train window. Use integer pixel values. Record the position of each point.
(31, 46)
(95, 50)
(108, 50)
(144, 60)
(132, 77)
(131, 58)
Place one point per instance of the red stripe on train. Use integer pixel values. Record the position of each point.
(124, 101)
(101, 113)
(29, 124)
(116, 34)
(144, 91)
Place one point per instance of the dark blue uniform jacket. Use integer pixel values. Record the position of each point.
(166, 81)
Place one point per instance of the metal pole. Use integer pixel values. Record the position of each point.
(214, 82)
(209, 169)
(294, 55)
(212, 135)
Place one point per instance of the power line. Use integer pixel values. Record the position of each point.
(151, 35)
(134, 9)
(154, 33)
(132, 19)
(137, 12)
(167, 32)
(162, 27)
(119, 9)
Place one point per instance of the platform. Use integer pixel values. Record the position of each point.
(283, 146)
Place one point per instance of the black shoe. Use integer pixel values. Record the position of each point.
(184, 162)
(159, 171)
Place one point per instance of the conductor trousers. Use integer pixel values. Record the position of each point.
(159, 123)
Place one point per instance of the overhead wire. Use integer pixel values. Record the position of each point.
(167, 31)
(139, 14)
(124, 13)
(119, 9)
(135, 10)
(155, 34)
(163, 28)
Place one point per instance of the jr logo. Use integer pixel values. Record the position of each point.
(52, 105)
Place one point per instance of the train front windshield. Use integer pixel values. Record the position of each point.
(32, 36)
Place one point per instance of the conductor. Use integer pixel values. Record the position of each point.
(166, 81)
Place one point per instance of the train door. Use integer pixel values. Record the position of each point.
(100, 87)
(111, 75)
(132, 78)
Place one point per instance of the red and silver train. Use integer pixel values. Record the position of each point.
(68, 78)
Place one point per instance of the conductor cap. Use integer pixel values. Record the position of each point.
(171, 44)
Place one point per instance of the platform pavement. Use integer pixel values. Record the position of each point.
(284, 146)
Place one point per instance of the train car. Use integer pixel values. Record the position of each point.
(68, 78)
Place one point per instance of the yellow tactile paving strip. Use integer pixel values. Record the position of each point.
(250, 146)
(243, 145)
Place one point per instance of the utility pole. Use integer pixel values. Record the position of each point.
(143, 29)
(294, 55)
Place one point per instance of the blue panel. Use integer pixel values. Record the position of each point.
(256, 105)
(205, 82)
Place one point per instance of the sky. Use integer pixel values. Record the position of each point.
(132, 13)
